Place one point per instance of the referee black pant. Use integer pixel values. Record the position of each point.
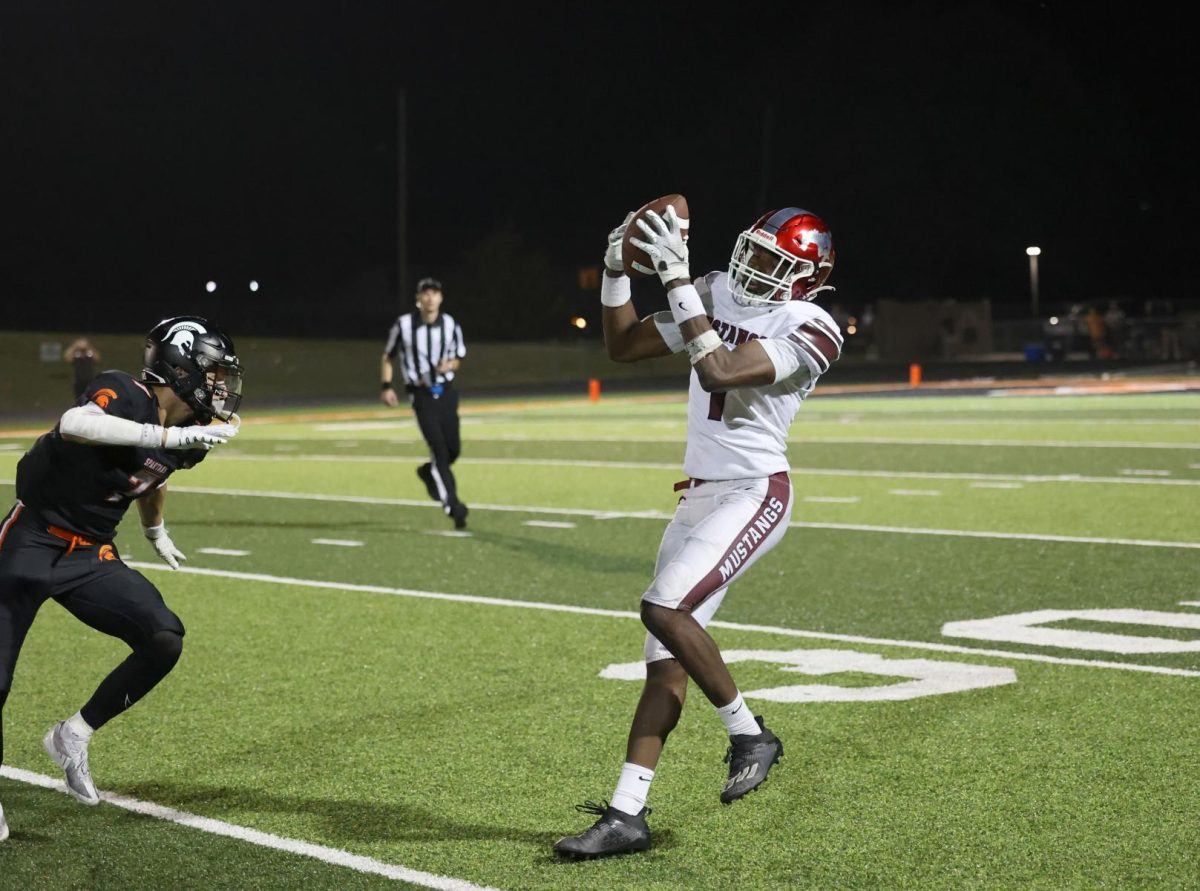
(437, 417)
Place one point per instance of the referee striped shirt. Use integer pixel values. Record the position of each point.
(422, 347)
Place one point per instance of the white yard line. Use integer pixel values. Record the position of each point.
(1016, 443)
(233, 455)
(338, 542)
(549, 524)
(223, 552)
(332, 856)
(658, 515)
(630, 614)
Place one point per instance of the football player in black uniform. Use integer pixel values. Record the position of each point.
(117, 446)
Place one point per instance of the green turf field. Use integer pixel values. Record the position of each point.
(424, 709)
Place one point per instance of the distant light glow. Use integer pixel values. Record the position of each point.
(253, 285)
(1033, 251)
(579, 322)
(1054, 320)
(210, 287)
(852, 329)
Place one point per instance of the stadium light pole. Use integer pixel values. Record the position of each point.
(1033, 252)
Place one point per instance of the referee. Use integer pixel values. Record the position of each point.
(428, 345)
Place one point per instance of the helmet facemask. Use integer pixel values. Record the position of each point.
(763, 274)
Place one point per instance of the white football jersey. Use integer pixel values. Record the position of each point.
(742, 433)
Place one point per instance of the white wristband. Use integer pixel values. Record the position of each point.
(155, 532)
(614, 292)
(699, 347)
(685, 303)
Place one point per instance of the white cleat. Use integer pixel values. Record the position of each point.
(71, 754)
(3, 825)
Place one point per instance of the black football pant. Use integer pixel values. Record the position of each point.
(93, 585)
(437, 416)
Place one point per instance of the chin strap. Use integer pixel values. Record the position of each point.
(815, 291)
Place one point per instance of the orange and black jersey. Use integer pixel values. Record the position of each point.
(87, 488)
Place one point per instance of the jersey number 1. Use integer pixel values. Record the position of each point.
(716, 407)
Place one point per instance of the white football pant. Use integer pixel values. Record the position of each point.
(719, 530)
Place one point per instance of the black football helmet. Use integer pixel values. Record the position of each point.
(197, 361)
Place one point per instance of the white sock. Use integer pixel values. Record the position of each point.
(632, 788)
(737, 718)
(79, 727)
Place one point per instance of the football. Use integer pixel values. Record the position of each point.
(637, 264)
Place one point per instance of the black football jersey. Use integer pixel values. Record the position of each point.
(87, 488)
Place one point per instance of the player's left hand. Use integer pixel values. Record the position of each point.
(166, 549)
(665, 245)
(613, 261)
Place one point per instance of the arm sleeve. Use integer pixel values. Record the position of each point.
(807, 351)
(90, 423)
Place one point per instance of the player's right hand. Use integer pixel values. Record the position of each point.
(612, 253)
(199, 437)
(666, 244)
(390, 398)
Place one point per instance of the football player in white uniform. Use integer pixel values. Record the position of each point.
(757, 346)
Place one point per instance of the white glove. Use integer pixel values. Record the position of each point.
(612, 254)
(158, 537)
(199, 437)
(665, 245)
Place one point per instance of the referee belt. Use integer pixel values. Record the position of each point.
(690, 483)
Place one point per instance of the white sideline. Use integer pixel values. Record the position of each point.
(333, 856)
(630, 614)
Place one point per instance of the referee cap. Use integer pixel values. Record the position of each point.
(428, 284)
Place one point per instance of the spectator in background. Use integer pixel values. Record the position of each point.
(1096, 331)
(82, 356)
(1114, 324)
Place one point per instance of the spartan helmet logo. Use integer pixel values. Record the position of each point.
(183, 335)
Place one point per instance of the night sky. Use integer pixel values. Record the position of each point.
(150, 147)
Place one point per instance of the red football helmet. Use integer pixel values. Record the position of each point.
(785, 255)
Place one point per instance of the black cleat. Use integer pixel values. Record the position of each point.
(425, 472)
(750, 757)
(616, 832)
(458, 514)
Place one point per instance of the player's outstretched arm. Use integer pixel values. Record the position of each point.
(90, 424)
(626, 337)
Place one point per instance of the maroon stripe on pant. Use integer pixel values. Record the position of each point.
(766, 519)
